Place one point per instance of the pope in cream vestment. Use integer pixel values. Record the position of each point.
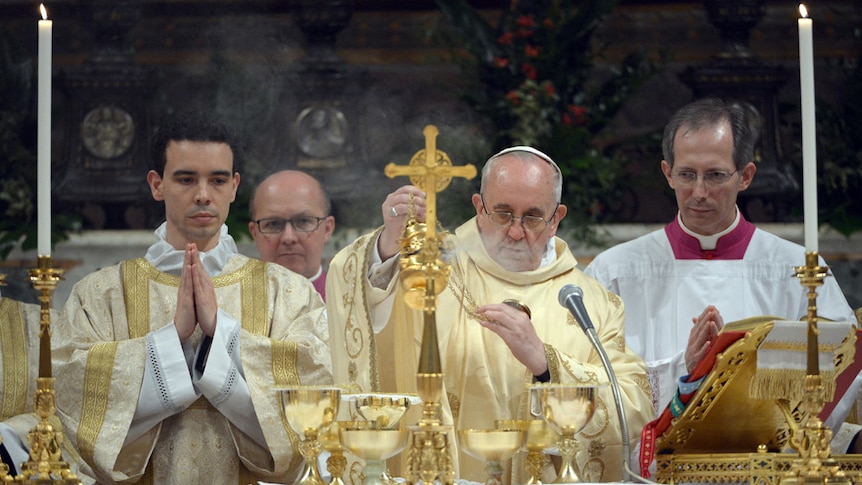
(376, 341)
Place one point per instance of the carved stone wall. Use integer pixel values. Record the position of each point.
(245, 60)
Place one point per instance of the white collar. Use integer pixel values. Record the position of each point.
(550, 254)
(317, 275)
(168, 259)
(708, 243)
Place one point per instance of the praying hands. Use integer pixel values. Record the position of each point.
(706, 328)
(196, 299)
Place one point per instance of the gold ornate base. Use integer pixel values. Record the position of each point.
(754, 468)
(429, 457)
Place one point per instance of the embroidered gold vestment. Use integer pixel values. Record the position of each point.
(101, 350)
(483, 381)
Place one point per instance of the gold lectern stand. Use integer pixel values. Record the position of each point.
(731, 433)
(45, 465)
(424, 275)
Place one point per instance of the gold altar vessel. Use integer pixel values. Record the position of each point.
(309, 412)
(492, 446)
(566, 409)
(424, 275)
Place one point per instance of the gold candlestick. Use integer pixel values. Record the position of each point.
(46, 463)
(815, 464)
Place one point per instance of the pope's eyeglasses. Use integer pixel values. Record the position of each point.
(505, 219)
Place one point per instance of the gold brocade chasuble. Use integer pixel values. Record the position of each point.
(103, 345)
(483, 381)
(17, 336)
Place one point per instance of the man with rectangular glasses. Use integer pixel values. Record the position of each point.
(291, 221)
(674, 280)
(489, 349)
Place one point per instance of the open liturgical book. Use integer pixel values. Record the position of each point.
(753, 363)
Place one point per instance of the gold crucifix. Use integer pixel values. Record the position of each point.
(431, 170)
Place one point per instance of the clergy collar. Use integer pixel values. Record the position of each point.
(168, 259)
(729, 244)
(316, 275)
(708, 243)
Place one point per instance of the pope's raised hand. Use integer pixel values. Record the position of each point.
(395, 210)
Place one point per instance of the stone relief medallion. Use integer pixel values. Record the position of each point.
(321, 131)
(107, 131)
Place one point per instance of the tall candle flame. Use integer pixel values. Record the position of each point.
(803, 11)
(44, 12)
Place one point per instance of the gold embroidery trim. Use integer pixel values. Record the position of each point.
(285, 373)
(16, 363)
(97, 385)
(553, 363)
(137, 274)
(150, 272)
(253, 292)
(372, 344)
(797, 346)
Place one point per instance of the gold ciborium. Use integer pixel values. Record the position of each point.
(309, 410)
(380, 411)
(492, 446)
(374, 446)
(385, 410)
(567, 409)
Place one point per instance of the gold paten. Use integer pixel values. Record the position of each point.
(424, 275)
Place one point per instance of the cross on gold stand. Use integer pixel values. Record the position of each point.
(424, 274)
(431, 170)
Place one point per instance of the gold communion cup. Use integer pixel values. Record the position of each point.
(336, 463)
(309, 411)
(492, 446)
(540, 437)
(567, 409)
(374, 446)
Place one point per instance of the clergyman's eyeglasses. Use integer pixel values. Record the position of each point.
(275, 225)
(712, 179)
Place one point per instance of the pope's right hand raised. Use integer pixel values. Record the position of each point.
(395, 209)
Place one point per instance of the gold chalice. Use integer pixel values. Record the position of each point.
(336, 463)
(540, 436)
(492, 446)
(567, 409)
(374, 446)
(309, 410)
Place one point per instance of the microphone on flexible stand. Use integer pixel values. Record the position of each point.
(572, 297)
